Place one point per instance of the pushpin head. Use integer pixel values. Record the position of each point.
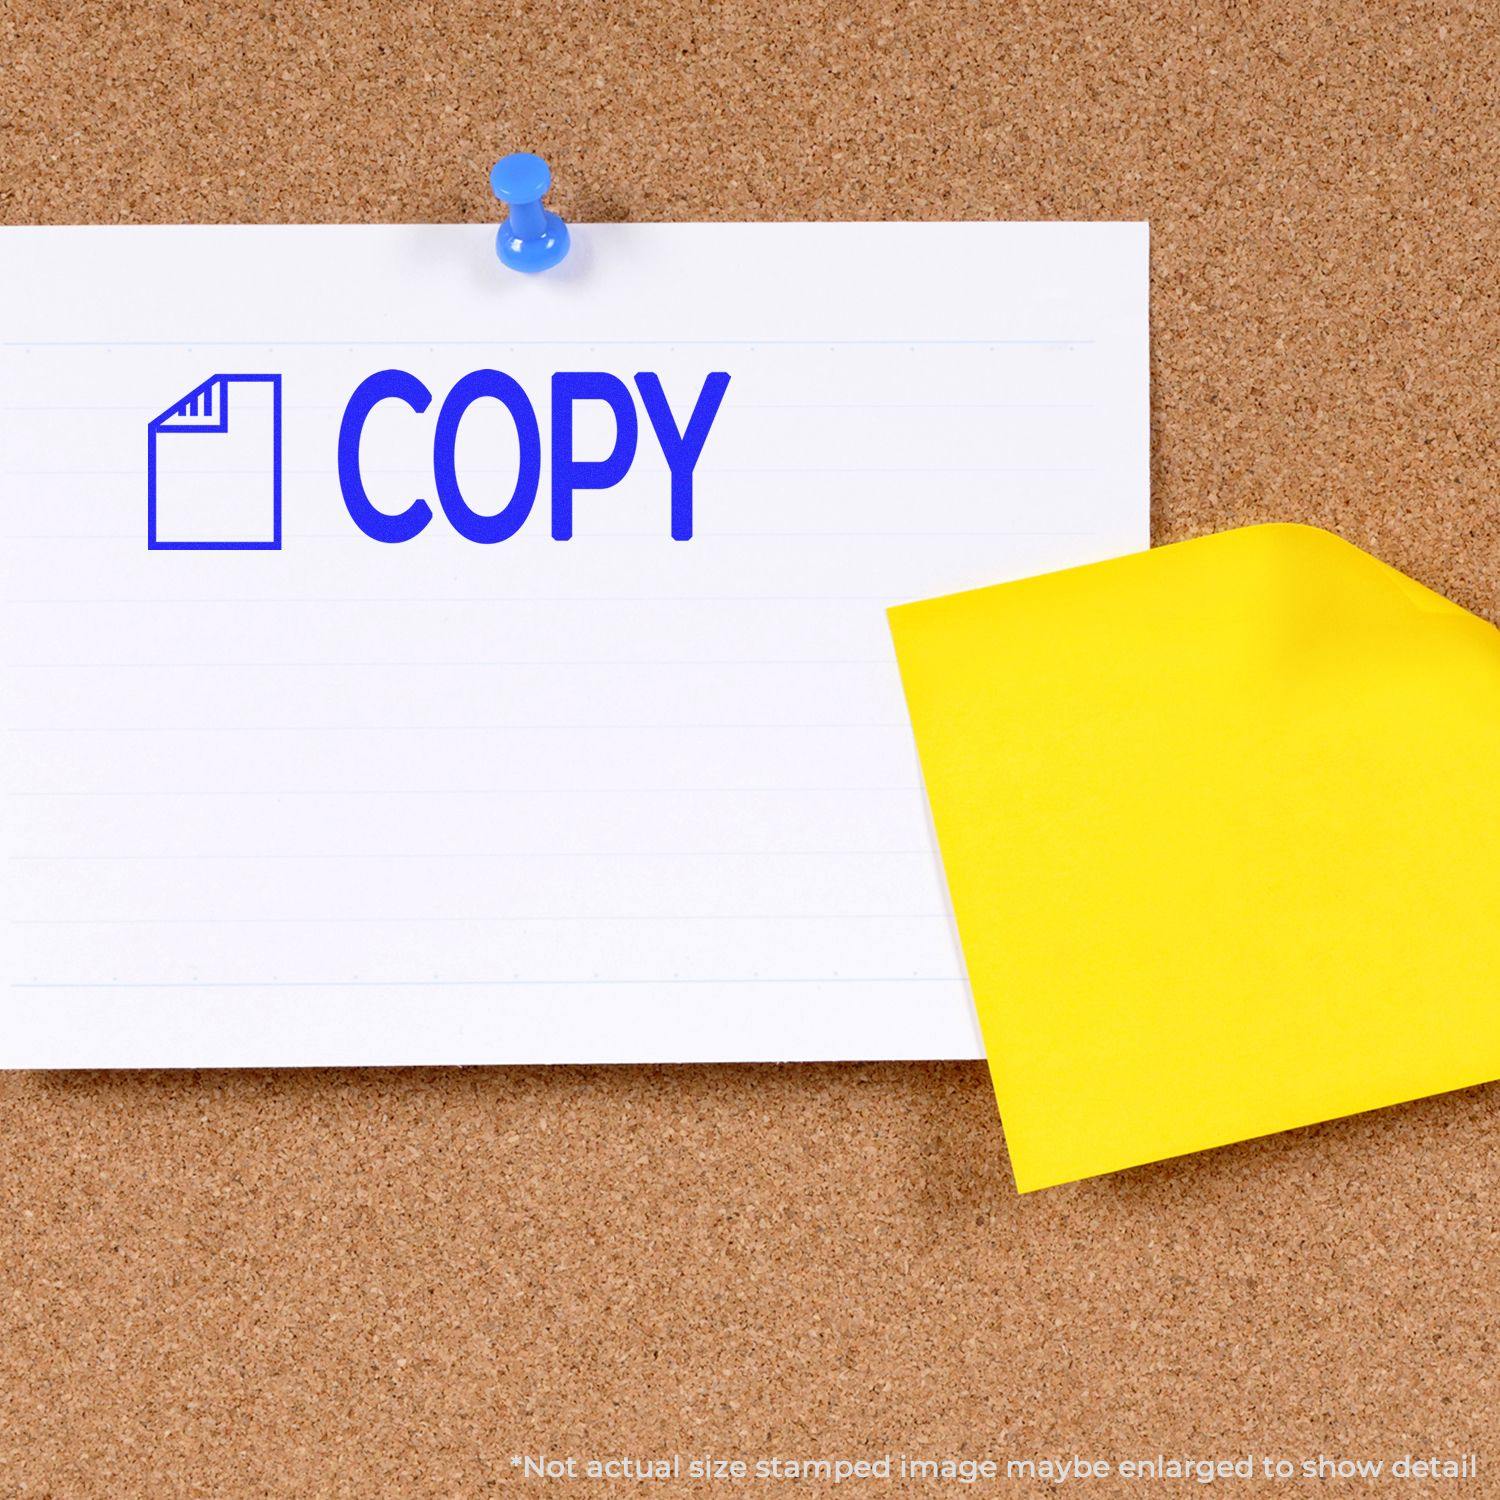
(531, 238)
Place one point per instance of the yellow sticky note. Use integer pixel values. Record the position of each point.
(1221, 827)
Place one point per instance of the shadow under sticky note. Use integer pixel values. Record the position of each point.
(1219, 823)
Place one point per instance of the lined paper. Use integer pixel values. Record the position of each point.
(615, 798)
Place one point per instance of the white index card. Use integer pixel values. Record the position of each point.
(409, 661)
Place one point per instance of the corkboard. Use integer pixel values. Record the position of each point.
(387, 1283)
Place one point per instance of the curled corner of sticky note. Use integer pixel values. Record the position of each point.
(1219, 826)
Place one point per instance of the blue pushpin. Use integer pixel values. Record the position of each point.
(531, 238)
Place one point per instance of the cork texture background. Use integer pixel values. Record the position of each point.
(390, 1282)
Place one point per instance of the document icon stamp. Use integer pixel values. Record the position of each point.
(213, 468)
